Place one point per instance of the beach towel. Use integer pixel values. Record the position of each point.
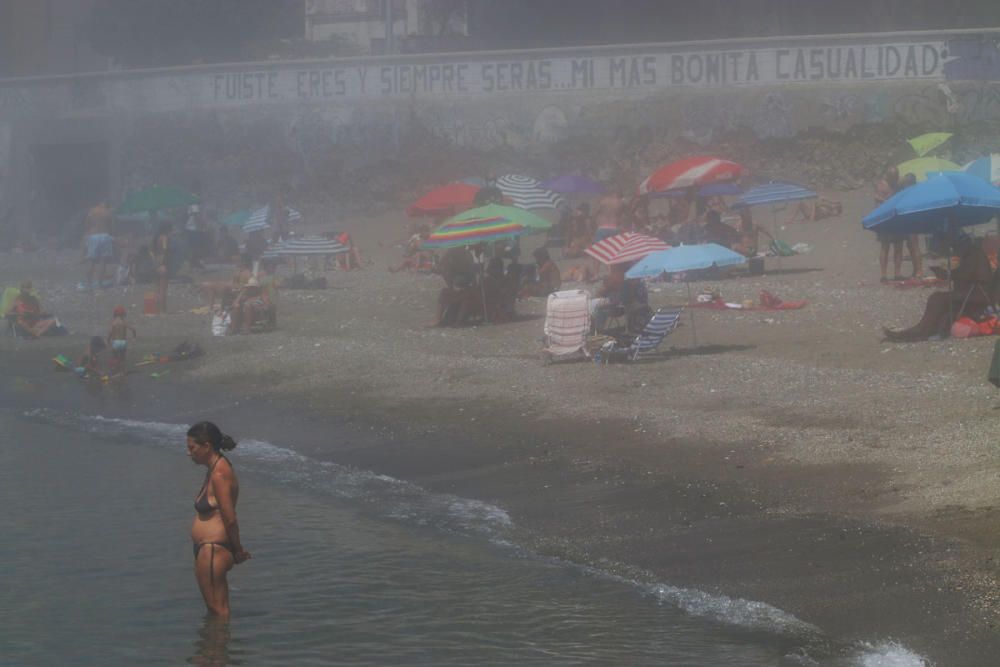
(768, 302)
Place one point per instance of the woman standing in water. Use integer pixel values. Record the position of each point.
(215, 531)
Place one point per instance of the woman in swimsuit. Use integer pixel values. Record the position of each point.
(215, 531)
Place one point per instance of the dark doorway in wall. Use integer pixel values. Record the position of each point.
(69, 179)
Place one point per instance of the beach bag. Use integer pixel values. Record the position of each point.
(994, 375)
(964, 327)
(220, 323)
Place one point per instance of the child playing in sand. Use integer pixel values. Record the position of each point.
(89, 364)
(118, 340)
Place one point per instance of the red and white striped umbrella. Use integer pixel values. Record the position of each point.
(691, 171)
(625, 247)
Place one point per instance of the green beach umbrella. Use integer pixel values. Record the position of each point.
(925, 143)
(156, 198)
(921, 165)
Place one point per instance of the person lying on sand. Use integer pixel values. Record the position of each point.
(819, 208)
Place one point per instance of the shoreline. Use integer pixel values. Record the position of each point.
(790, 458)
(683, 527)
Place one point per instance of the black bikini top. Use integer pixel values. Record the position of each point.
(201, 503)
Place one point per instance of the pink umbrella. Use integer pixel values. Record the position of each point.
(691, 171)
(625, 247)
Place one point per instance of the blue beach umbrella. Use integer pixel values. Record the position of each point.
(986, 168)
(941, 204)
(682, 259)
(774, 192)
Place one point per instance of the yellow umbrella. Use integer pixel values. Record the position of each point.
(925, 143)
(921, 165)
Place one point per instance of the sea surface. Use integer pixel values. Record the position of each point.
(349, 567)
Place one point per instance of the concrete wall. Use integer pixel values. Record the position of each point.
(249, 121)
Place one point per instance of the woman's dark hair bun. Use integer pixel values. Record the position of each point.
(209, 433)
(227, 443)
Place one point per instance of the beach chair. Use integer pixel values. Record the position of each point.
(660, 325)
(567, 323)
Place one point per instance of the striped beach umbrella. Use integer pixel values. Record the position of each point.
(527, 193)
(625, 247)
(691, 171)
(775, 192)
(259, 218)
(305, 246)
(485, 224)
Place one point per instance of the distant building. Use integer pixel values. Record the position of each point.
(359, 26)
(39, 37)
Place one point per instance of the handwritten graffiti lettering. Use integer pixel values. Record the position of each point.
(246, 86)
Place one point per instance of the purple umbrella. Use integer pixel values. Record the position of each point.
(573, 184)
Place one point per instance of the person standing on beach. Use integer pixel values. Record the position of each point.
(884, 189)
(98, 246)
(913, 240)
(215, 532)
(118, 340)
(161, 253)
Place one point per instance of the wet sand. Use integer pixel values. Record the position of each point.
(791, 457)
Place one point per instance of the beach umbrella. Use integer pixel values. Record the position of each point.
(259, 219)
(527, 193)
(938, 205)
(711, 190)
(683, 259)
(444, 200)
(986, 168)
(774, 192)
(625, 247)
(156, 198)
(485, 224)
(925, 143)
(691, 171)
(572, 184)
(306, 246)
(237, 219)
(921, 165)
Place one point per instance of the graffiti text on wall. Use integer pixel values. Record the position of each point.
(760, 66)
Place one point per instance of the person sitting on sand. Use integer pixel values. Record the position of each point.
(716, 231)
(251, 306)
(548, 278)
(749, 240)
(818, 208)
(118, 339)
(27, 313)
(350, 260)
(969, 296)
(415, 257)
(608, 296)
(89, 365)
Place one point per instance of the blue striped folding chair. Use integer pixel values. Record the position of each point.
(661, 325)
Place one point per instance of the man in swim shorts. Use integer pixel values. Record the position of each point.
(98, 246)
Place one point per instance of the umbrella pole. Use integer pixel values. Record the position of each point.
(694, 331)
(482, 289)
(774, 228)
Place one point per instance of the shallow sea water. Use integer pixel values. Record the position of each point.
(349, 567)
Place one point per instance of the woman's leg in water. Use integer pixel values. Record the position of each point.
(210, 568)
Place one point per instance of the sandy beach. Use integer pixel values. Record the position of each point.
(790, 457)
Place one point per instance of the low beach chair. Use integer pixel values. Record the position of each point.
(567, 323)
(660, 325)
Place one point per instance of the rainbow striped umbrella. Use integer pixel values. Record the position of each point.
(485, 224)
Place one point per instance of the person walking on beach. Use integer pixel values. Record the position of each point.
(118, 340)
(215, 532)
